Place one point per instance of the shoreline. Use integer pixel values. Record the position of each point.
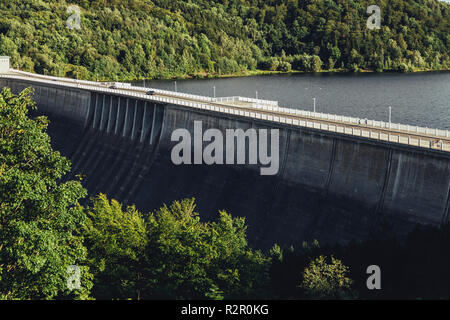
(252, 73)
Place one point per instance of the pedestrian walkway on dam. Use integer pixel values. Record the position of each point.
(265, 110)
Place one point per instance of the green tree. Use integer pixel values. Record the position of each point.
(190, 259)
(116, 240)
(322, 280)
(316, 63)
(285, 66)
(39, 215)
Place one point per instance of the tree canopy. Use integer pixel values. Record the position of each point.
(129, 39)
(39, 215)
(170, 254)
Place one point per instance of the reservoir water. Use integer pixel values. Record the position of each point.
(421, 99)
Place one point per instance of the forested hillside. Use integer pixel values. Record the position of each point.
(129, 39)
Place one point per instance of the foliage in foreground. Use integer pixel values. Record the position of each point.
(39, 216)
(326, 280)
(170, 254)
(116, 240)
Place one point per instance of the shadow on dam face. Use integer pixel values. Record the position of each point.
(330, 187)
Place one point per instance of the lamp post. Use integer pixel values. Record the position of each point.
(390, 116)
(176, 87)
(314, 99)
(214, 87)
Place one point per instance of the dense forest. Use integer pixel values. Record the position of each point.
(131, 39)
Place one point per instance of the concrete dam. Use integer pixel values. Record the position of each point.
(332, 186)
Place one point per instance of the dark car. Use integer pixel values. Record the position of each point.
(150, 93)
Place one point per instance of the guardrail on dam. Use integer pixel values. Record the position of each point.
(333, 185)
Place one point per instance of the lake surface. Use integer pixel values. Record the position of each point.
(421, 99)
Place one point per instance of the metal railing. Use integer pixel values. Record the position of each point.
(374, 123)
(248, 100)
(284, 115)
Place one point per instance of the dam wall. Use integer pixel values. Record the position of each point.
(330, 186)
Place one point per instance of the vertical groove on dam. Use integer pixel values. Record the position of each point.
(278, 187)
(380, 204)
(330, 171)
(447, 207)
(331, 187)
(150, 151)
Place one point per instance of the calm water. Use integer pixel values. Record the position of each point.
(417, 99)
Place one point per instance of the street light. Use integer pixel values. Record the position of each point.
(176, 87)
(390, 115)
(314, 99)
(214, 91)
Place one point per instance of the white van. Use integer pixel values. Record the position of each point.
(120, 85)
